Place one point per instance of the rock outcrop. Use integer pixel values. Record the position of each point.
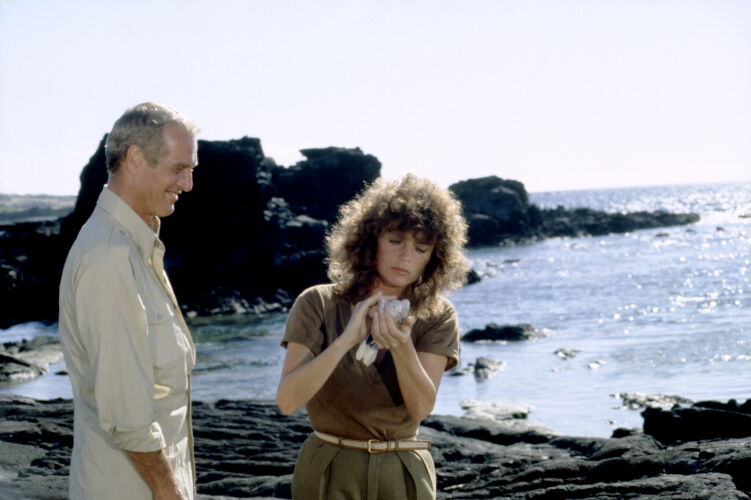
(250, 235)
(498, 211)
(248, 449)
(247, 237)
(700, 421)
(502, 333)
(31, 260)
(28, 359)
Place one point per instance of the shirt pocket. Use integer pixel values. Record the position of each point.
(169, 350)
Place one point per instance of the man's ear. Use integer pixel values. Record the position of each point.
(134, 157)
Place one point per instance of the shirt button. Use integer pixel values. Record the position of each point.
(159, 316)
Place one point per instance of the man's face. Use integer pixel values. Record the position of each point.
(160, 185)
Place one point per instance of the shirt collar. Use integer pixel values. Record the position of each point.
(146, 239)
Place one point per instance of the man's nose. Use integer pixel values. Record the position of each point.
(186, 181)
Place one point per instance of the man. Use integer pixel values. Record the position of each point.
(127, 349)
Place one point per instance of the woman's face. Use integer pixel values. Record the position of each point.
(401, 258)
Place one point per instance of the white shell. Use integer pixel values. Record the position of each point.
(398, 309)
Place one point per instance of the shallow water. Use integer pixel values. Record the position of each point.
(663, 311)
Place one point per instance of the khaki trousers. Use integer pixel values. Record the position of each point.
(326, 472)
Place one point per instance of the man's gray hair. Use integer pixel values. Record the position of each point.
(142, 126)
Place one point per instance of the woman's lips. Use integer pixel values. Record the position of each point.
(399, 270)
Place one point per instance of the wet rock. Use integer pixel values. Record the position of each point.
(485, 368)
(595, 365)
(640, 400)
(700, 421)
(28, 359)
(473, 277)
(502, 333)
(566, 353)
(13, 369)
(495, 410)
(512, 417)
(42, 350)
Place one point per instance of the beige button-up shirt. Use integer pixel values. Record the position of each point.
(129, 355)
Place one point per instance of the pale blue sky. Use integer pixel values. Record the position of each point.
(559, 94)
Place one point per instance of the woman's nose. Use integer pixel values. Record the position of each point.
(404, 253)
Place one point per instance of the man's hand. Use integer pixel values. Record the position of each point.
(156, 471)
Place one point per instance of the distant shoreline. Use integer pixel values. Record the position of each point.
(34, 208)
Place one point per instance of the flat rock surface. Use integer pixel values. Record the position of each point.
(247, 449)
(28, 359)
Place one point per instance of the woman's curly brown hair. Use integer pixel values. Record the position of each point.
(411, 204)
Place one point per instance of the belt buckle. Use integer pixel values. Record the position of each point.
(370, 443)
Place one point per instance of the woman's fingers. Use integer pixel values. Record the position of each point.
(360, 312)
(386, 333)
(406, 324)
(376, 331)
(365, 304)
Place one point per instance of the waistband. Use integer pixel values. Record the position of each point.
(373, 445)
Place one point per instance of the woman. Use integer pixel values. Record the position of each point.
(395, 240)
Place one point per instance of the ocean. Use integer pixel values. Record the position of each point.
(663, 311)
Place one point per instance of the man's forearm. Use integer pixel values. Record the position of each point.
(156, 471)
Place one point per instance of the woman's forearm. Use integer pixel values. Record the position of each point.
(418, 389)
(307, 374)
(303, 374)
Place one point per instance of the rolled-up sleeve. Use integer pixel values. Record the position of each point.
(441, 336)
(112, 321)
(304, 321)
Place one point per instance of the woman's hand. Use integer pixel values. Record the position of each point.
(387, 334)
(357, 327)
(303, 374)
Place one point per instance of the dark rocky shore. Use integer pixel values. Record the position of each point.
(28, 359)
(247, 449)
(250, 234)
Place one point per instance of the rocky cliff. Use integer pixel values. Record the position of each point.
(250, 234)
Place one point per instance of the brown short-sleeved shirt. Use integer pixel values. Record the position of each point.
(358, 401)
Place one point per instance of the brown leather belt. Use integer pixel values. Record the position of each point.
(373, 445)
